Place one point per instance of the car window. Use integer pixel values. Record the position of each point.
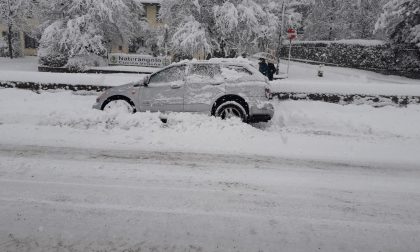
(232, 72)
(205, 72)
(172, 74)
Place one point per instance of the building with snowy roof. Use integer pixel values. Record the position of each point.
(28, 45)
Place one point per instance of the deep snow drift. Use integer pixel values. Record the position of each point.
(318, 177)
(304, 130)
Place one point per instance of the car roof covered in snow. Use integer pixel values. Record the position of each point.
(223, 61)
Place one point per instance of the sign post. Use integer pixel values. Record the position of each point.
(291, 35)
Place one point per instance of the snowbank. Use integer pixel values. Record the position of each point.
(299, 130)
(70, 78)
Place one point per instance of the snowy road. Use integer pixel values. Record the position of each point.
(318, 177)
(67, 199)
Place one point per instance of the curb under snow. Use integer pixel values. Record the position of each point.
(375, 100)
(344, 99)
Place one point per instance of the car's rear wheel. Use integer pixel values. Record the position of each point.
(120, 106)
(231, 110)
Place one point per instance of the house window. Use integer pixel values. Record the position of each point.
(158, 13)
(144, 13)
(30, 42)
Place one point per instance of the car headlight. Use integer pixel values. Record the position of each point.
(268, 94)
(99, 98)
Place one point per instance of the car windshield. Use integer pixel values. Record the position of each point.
(205, 73)
(233, 72)
(172, 74)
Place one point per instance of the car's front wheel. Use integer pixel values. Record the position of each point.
(229, 110)
(120, 106)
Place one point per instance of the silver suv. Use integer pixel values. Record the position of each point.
(224, 88)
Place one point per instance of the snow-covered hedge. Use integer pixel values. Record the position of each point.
(85, 62)
(376, 56)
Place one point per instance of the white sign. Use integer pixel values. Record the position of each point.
(138, 60)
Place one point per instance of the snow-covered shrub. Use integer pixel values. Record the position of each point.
(383, 57)
(82, 63)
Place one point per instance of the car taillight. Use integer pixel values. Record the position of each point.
(268, 94)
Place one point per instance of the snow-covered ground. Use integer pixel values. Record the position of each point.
(302, 79)
(317, 177)
(347, 133)
(338, 80)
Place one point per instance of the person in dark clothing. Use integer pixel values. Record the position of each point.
(263, 67)
(271, 70)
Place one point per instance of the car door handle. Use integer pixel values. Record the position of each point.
(175, 86)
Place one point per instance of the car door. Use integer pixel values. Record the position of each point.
(164, 91)
(204, 84)
(241, 81)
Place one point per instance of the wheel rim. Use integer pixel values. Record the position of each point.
(230, 112)
(119, 106)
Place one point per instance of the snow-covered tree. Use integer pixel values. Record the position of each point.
(15, 14)
(218, 26)
(253, 25)
(400, 21)
(83, 27)
(189, 22)
(281, 15)
(362, 18)
(326, 20)
(342, 19)
(190, 37)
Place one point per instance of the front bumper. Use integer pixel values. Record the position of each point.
(262, 113)
(97, 105)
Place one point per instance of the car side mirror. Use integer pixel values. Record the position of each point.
(146, 81)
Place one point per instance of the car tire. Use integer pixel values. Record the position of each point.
(119, 105)
(231, 109)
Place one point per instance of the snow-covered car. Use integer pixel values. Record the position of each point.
(223, 88)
